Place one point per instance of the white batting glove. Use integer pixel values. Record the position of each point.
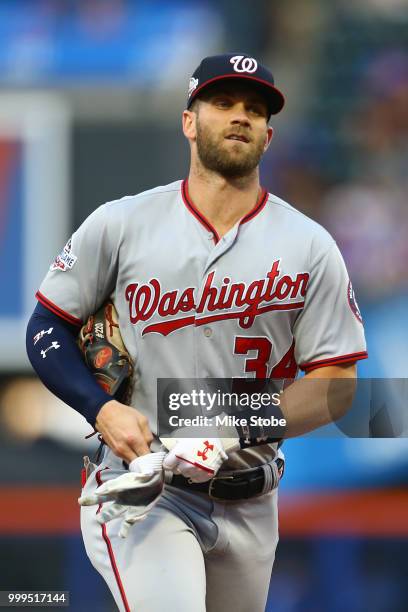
(133, 494)
(129, 515)
(196, 458)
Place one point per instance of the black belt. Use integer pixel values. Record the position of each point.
(239, 485)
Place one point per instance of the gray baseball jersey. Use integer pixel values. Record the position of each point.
(269, 297)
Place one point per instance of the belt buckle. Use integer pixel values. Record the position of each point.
(211, 486)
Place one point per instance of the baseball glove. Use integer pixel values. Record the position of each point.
(105, 354)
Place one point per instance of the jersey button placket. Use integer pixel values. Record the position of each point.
(208, 332)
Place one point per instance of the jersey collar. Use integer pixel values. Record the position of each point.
(263, 198)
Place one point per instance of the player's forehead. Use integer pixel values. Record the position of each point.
(235, 89)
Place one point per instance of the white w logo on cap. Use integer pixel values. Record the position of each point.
(244, 64)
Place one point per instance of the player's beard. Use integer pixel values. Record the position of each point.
(216, 157)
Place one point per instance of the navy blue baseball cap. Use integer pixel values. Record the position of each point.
(235, 66)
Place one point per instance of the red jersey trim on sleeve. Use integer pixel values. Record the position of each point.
(57, 310)
(351, 357)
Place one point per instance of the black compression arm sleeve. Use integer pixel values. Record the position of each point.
(55, 356)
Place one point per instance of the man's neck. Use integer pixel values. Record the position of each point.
(223, 202)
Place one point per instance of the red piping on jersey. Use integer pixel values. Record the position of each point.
(110, 551)
(198, 215)
(257, 208)
(195, 212)
(57, 310)
(308, 367)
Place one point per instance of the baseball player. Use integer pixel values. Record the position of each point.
(211, 277)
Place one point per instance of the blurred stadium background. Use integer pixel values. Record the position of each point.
(91, 93)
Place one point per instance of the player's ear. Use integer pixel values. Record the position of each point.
(268, 138)
(189, 124)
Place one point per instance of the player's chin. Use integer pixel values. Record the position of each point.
(240, 149)
(240, 160)
(236, 153)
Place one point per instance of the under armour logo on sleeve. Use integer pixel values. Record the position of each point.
(41, 334)
(54, 345)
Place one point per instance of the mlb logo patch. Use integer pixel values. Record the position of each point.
(65, 260)
(192, 85)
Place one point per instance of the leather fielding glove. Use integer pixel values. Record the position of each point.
(105, 353)
(131, 495)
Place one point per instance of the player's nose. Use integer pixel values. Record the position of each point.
(239, 114)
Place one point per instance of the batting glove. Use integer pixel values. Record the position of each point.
(195, 458)
(133, 494)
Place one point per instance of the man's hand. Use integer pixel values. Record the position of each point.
(124, 429)
(196, 458)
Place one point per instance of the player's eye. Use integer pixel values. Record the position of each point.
(257, 109)
(222, 102)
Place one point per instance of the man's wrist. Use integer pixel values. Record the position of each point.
(94, 406)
